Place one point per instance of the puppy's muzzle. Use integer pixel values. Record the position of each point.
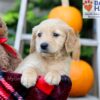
(44, 46)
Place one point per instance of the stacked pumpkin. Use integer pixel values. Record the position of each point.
(82, 78)
(69, 14)
(81, 72)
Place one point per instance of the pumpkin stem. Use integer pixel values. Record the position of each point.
(65, 2)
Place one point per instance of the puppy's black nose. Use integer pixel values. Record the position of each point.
(44, 46)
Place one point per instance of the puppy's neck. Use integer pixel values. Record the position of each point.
(61, 55)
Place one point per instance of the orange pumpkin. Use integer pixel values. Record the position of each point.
(69, 14)
(82, 78)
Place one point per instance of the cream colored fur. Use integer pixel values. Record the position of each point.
(56, 61)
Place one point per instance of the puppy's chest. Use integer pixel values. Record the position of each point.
(56, 65)
(44, 66)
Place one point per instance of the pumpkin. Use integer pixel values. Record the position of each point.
(82, 78)
(69, 14)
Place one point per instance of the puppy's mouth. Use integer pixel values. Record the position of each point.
(44, 51)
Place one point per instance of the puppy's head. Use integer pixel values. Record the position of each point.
(52, 36)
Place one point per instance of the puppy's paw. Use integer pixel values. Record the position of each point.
(53, 78)
(28, 80)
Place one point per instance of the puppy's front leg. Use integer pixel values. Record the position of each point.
(29, 77)
(53, 78)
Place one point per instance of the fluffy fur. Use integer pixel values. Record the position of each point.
(53, 62)
(7, 61)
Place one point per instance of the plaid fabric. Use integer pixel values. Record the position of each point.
(11, 89)
(7, 92)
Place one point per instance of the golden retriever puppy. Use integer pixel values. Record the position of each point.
(51, 44)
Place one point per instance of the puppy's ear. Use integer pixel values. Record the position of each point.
(32, 43)
(72, 44)
(77, 48)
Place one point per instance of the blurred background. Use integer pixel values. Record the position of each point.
(37, 11)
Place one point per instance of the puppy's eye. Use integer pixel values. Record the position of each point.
(55, 34)
(39, 34)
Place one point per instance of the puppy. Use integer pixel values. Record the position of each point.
(51, 44)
